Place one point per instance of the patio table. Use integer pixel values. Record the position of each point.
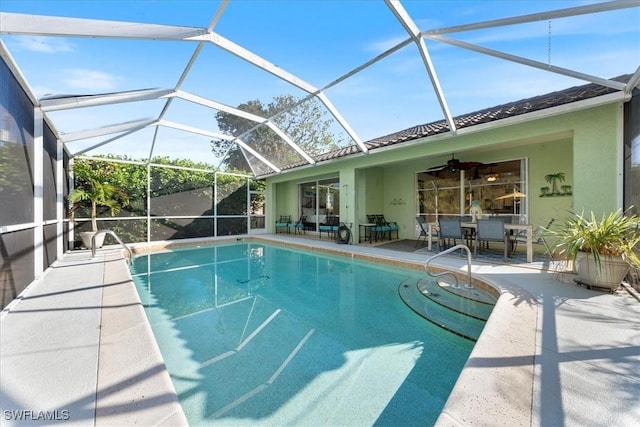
(366, 230)
(527, 228)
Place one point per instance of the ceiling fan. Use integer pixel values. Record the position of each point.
(455, 165)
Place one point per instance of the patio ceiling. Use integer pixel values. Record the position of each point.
(182, 112)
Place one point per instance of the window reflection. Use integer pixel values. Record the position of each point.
(494, 186)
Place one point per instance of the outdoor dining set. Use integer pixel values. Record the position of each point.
(479, 233)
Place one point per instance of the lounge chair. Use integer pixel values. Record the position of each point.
(284, 224)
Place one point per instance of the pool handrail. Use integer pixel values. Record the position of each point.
(447, 251)
(115, 236)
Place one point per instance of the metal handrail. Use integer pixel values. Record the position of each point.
(115, 236)
(455, 248)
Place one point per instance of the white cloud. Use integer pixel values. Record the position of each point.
(93, 80)
(44, 44)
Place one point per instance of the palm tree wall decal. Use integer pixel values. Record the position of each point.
(553, 179)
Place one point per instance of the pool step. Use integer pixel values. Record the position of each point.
(461, 314)
(469, 301)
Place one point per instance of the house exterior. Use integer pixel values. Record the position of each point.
(573, 150)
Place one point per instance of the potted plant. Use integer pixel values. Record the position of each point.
(92, 186)
(602, 250)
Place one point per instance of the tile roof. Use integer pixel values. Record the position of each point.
(491, 114)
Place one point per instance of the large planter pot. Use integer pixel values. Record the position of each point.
(610, 274)
(86, 237)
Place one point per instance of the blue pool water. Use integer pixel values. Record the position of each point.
(254, 334)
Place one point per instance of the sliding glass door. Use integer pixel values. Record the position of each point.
(318, 200)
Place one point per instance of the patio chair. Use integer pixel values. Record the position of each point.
(284, 224)
(449, 228)
(489, 230)
(380, 228)
(393, 226)
(424, 230)
(538, 238)
(299, 226)
(330, 227)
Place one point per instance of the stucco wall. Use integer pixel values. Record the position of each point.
(285, 195)
(598, 161)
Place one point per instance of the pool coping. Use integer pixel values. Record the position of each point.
(133, 383)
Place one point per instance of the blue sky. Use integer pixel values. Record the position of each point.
(319, 41)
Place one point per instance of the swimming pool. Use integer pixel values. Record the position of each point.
(259, 334)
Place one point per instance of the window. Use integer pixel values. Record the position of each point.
(495, 186)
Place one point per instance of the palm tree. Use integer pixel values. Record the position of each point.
(92, 187)
(553, 178)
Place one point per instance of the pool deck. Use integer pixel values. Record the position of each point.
(76, 348)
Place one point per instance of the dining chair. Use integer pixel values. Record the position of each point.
(489, 230)
(449, 228)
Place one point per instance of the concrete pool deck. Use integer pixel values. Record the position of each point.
(76, 348)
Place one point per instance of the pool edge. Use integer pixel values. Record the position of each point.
(133, 383)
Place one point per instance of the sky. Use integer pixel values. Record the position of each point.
(317, 41)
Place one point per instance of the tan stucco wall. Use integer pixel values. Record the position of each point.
(585, 145)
